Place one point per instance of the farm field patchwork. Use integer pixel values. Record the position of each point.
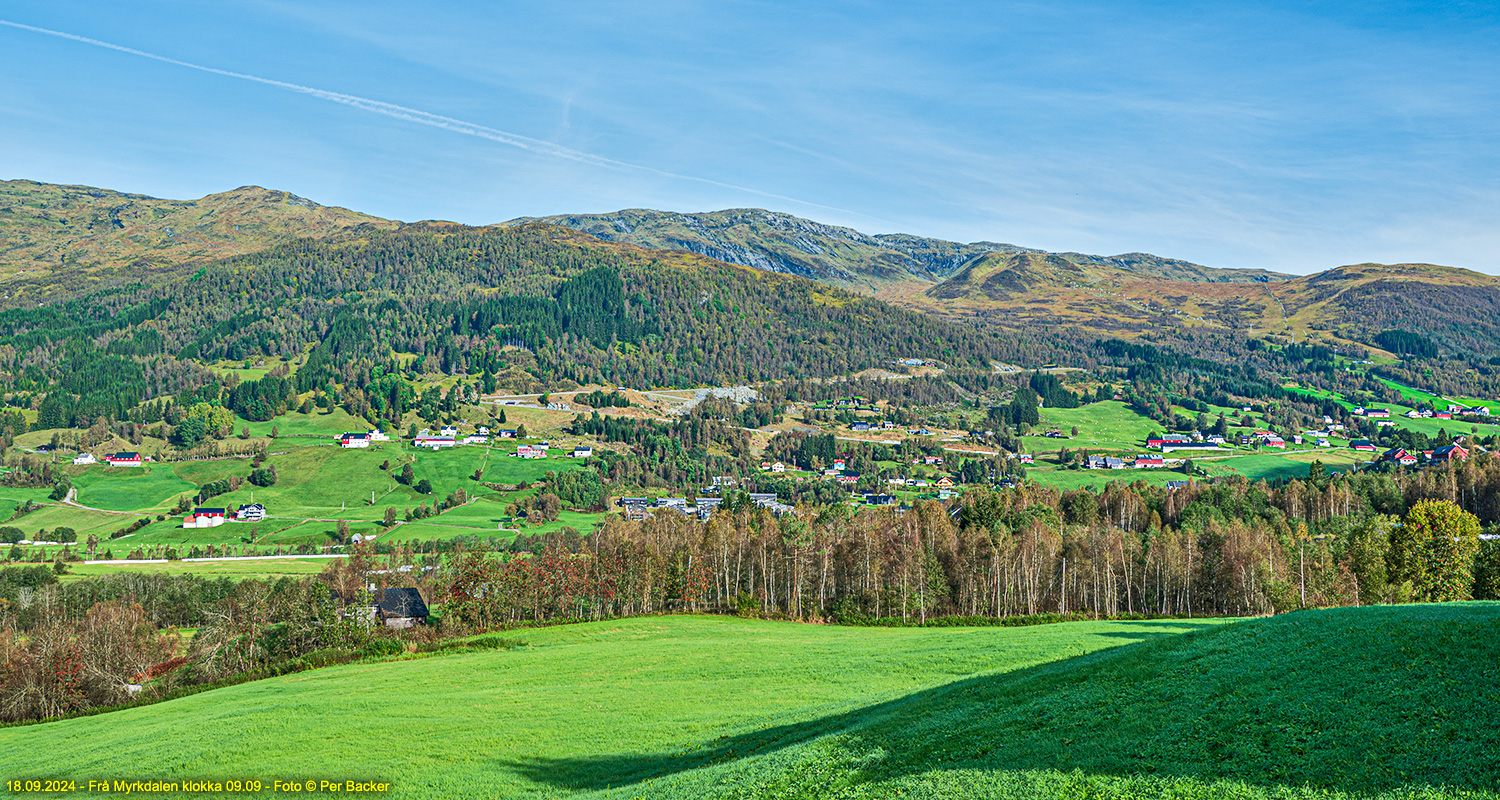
(1302, 705)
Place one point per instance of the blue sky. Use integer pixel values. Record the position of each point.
(1286, 136)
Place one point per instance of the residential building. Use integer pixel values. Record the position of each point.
(400, 607)
(85, 458)
(1397, 455)
(254, 512)
(1449, 452)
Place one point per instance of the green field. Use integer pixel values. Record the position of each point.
(1106, 425)
(152, 487)
(270, 568)
(1382, 701)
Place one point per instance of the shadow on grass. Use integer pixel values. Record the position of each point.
(1268, 703)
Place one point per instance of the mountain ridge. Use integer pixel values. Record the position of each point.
(780, 242)
(58, 242)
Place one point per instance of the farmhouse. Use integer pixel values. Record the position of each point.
(124, 459)
(588, 452)
(880, 499)
(505, 434)
(400, 608)
(778, 467)
(378, 435)
(859, 426)
(1397, 455)
(1449, 452)
(448, 430)
(204, 518)
(475, 438)
(85, 458)
(255, 512)
(352, 440)
(435, 442)
(531, 451)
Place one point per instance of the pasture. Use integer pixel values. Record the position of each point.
(268, 568)
(1354, 702)
(1106, 425)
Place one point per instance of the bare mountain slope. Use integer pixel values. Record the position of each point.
(51, 233)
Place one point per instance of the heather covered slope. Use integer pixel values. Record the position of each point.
(1371, 702)
(75, 234)
(779, 242)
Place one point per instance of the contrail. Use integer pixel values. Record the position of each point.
(426, 118)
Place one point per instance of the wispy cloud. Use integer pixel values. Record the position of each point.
(538, 146)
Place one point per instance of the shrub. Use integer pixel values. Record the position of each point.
(265, 476)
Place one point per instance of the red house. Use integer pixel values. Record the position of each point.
(1450, 452)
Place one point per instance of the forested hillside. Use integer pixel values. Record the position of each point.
(522, 305)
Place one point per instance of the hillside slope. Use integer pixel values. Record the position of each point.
(1372, 702)
(1352, 701)
(617, 702)
(51, 233)
(1458, 308)
(550, 301)
(841, 256)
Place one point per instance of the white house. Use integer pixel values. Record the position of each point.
(255, 512)
(476, 438)
(448, 430)
(353, 440)
(86, 458)
(435, 442)
(378, 435)
(583, 452)
(778, 467)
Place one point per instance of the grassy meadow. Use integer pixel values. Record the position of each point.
(269, 568)
(1105, 425)
(1369, 702)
